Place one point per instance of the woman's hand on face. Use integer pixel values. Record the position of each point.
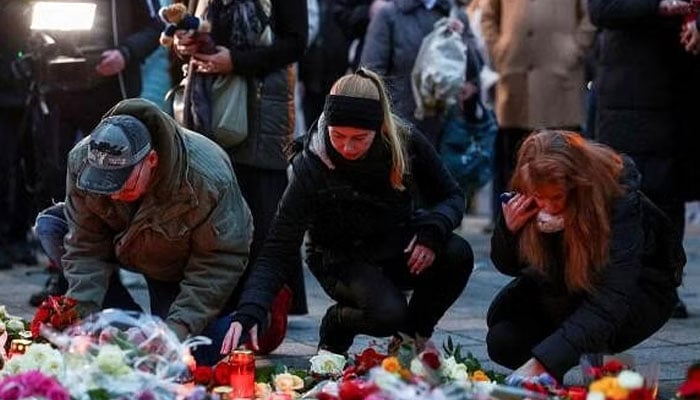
(690, 38)
(217, 63)
(421, 257)
(184, 43)
(531, 368)
(233, 336)
(518, 211)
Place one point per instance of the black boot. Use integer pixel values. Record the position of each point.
(5, 260)
(680, 311)
(56, 285)
(333, 336)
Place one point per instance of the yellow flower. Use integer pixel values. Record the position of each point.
(262, 390)
(604, 384)
(617, 393)
(391, 364)
(288, 383)
(480, 376)
(405, 374)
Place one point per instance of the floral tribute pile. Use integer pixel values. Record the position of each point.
(108, 355)
(373, 375)
(125, 355)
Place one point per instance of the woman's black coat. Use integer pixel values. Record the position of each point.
(362, 225)
(646, 259)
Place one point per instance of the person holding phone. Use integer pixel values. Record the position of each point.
(595, 262)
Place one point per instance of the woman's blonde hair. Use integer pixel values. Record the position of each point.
(589, 172)
(366, 84)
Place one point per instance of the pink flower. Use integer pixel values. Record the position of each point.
(57, 393)
(32, 383)
(10, 390)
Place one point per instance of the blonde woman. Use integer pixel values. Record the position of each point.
(596, 263)
(380, 209)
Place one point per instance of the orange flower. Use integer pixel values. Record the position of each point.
(480, 376)
(391, 364)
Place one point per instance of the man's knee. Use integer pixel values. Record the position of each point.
(50, 228)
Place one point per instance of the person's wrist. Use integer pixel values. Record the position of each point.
(180, 329)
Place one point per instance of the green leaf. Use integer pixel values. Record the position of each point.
(264, 374)
(98, 394)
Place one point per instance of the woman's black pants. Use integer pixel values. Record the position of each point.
(523, 314)
(370, 294)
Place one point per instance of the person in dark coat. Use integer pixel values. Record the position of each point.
(380, 208)
(595, 262)
(325, 61)
(353, 18)
(646, 95)
(393, 39)
(15, 201)
(259, 160)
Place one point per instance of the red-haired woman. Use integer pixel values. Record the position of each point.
(595, 262)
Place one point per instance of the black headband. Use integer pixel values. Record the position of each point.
(357, 112)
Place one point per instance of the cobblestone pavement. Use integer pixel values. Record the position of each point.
(674, 347)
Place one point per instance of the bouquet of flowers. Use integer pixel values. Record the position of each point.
(116, 354)
(11, 327)
(410, 374)
(57, 311)
(617, 381)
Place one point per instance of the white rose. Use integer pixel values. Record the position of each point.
(417, 368)
(13, 366)
(3, 312)
(39, 353)
(15, 325)
(110, 360)
(454, 370)
(595, 396)
(327, 363)
(630, 380)
(287, 383)
(53, 366)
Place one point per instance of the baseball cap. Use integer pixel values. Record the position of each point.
(116, 145)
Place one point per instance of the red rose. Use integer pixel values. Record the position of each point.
(202, 375)
(577, 393)
(222, 374)
(369, 359)
(694, 373)
(534, 387)
(689, 389)
(613, 367)
(431, 359)
(355, 389)
(640, 394)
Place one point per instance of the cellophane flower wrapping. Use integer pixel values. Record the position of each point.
(118, 354)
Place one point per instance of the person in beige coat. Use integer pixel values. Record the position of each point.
(538, 48)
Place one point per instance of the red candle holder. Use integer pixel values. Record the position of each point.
(242, 363)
